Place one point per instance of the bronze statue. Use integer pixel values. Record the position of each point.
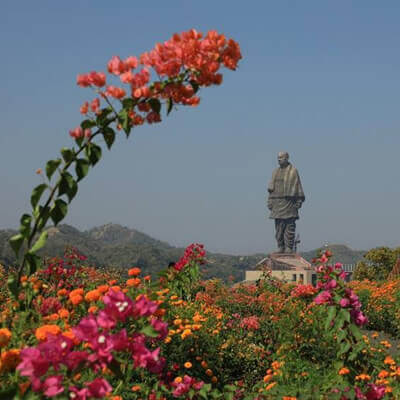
(284, 200)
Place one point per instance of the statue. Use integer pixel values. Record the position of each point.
(284, 200)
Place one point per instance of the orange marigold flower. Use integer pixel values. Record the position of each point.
(70, 335)
(92, 309)
(77, 299)
(383, 374)
(76, 292)
(42, 332)
(136, 388)
(134, 271)
(187, 364)
(344, 371)
(389, 361)
(147, 278)
(186, 333)
(133, 282)
(204, 364)
(363, 377)
(209, 372)
(267, 378)
(112, 282)
(9, 360)
(115, 288)
(103, 288)
(63, 313)
(92, 295)
(5, 337)
(214, 379)
(289, 398)
(270, 386)
(62, 292)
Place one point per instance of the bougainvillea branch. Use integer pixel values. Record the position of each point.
(169, 75)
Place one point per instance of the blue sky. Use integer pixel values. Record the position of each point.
(320, 80)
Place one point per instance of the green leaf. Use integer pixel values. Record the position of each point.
(128, 103)
(170, 104)
(195, 86)
(25, 228)
(81, 168)
(67, 186)
(109, 136)
(344, 348)
(44, 213)
(102, 119)
(87, 124)
(37, 193)
(16, 243)
(93, 153)
(155, 105)
(124, 120)
(33, 263)
(12, 285)
(39, 243)
(58, 211)
(330, 317)
(355, 331)
(51, 166)
(149, 331)
(68, 154)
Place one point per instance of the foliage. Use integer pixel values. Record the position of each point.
(381, 261)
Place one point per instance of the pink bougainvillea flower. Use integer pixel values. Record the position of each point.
(52, 386)
(323, 297)
(116, 66)
(99, 388)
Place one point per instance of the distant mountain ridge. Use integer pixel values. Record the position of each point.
(118, 246)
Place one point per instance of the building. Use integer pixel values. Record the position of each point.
(286, 267)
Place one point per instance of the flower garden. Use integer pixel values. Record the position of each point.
(77, 332)
(71, 331)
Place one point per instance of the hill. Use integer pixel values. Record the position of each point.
(113, 245)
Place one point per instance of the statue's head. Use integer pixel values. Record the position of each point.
(283, 159)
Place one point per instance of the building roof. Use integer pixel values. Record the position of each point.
(284, 262)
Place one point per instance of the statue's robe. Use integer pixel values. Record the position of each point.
(285, 193)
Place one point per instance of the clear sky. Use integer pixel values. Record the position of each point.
(319, 79)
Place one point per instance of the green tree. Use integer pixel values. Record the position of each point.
(379, 262)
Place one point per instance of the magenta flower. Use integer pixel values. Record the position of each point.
(52, 386)
(323, 297)
(144, 307)
(87, 329)
(99, 388)
(375, 392)
(82, 394)
(344, 302)
(118, 305)
(161, 327)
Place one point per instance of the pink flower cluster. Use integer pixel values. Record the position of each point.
(95, 333)
(187, 61)
(250, 323)
(181, 388)
(331, 282)
(375, 392)
(193, 253)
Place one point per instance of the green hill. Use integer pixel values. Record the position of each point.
(113, 245)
